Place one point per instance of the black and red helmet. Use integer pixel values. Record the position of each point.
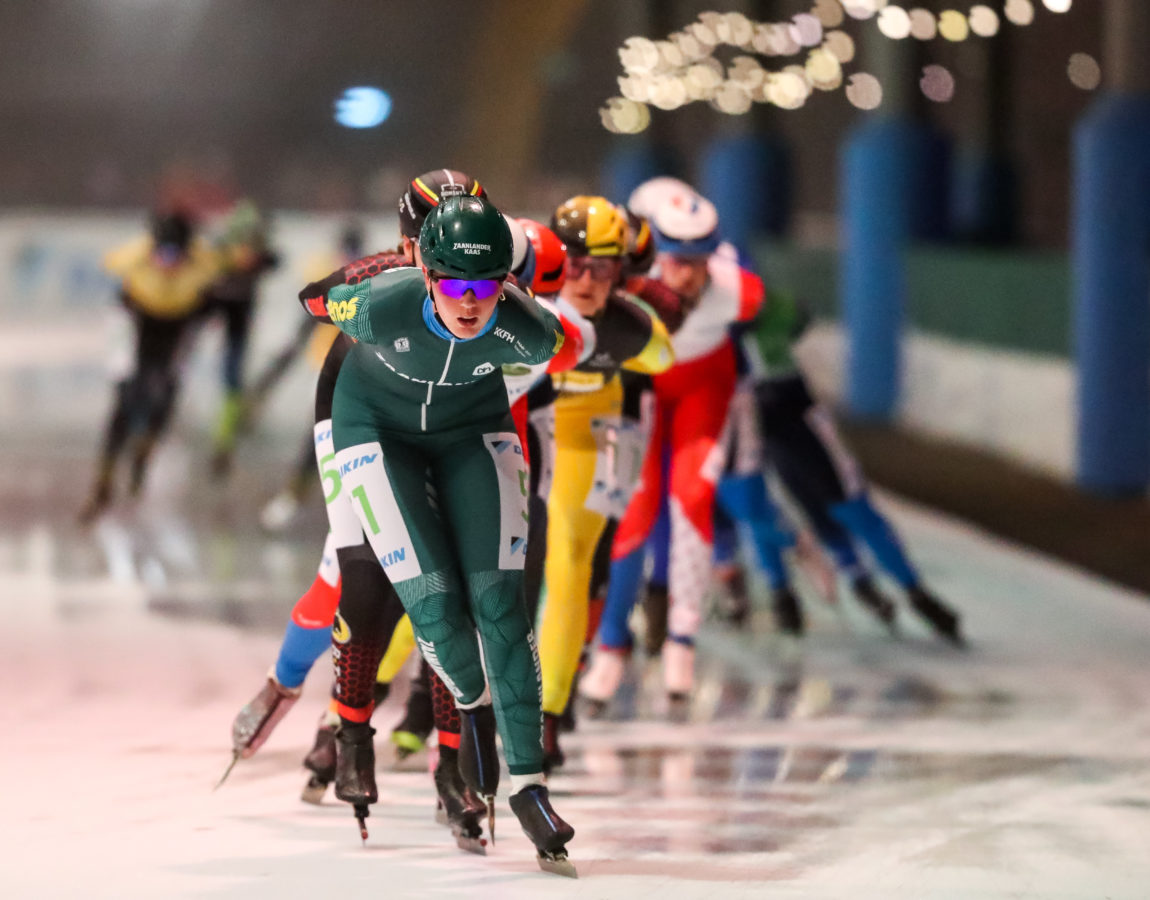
(424, 193)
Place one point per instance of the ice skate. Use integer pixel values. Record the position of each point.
(320, 760)
(542, 825)
(868, 594)
(553, 756)
(355, 770)
(734, 604)
(602, 679)
(456, 807)
(259, 717)
(788, 612)
(410, 735)
(678, 678)
(478, 757)
(941, 618)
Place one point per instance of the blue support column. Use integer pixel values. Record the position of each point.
(884, 177)
(1111, 254)
(748, 178)
(629, 164)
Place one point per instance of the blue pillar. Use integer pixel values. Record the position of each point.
(1111, 255)
(747, 177)
(629, 164)
(888, 194)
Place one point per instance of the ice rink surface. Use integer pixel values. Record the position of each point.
(856, 765)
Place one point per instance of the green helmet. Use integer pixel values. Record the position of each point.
(466, 237)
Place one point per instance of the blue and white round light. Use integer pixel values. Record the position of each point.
(362, 107)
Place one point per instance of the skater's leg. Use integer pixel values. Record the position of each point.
(399, 650)
(573, 533)
(695, 434)
(237, 328)
(410, 733)
(489, 474)
(628, 550)
(860, 517)
(368, 613)
(388, 484)
(308, 633)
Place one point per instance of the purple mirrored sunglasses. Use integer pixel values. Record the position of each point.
(455, 288)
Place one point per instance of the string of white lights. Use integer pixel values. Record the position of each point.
(681, 69)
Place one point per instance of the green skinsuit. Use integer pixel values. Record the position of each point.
(426, 447)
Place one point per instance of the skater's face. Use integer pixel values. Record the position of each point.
(685, 275)
(464, 307)
(589, 282)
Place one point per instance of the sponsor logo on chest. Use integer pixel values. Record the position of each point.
(505, 334)
(484, 368)
(402, 345)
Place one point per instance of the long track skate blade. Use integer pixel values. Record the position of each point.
(228, 770)
(490, 801)
(361, 814)
(557, 864)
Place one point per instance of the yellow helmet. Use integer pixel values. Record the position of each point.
(591, 226)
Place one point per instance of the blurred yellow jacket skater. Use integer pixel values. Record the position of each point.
(163, 278)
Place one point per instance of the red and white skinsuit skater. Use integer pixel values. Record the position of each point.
(685, 453)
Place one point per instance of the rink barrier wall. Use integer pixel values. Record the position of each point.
(62, 328)
(986, 356)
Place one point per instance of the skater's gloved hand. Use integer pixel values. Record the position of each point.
(314, 296)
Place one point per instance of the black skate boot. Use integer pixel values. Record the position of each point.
(410, 735)
(478, 758)
(553, 757)
(655, 611)
(549, 833)
(788, 612)
(320, 761)
(941, 618)
(355, 770)
(457, 807)
(734, 605)
(869, 596)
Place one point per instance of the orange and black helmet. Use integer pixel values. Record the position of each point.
(591, 226)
